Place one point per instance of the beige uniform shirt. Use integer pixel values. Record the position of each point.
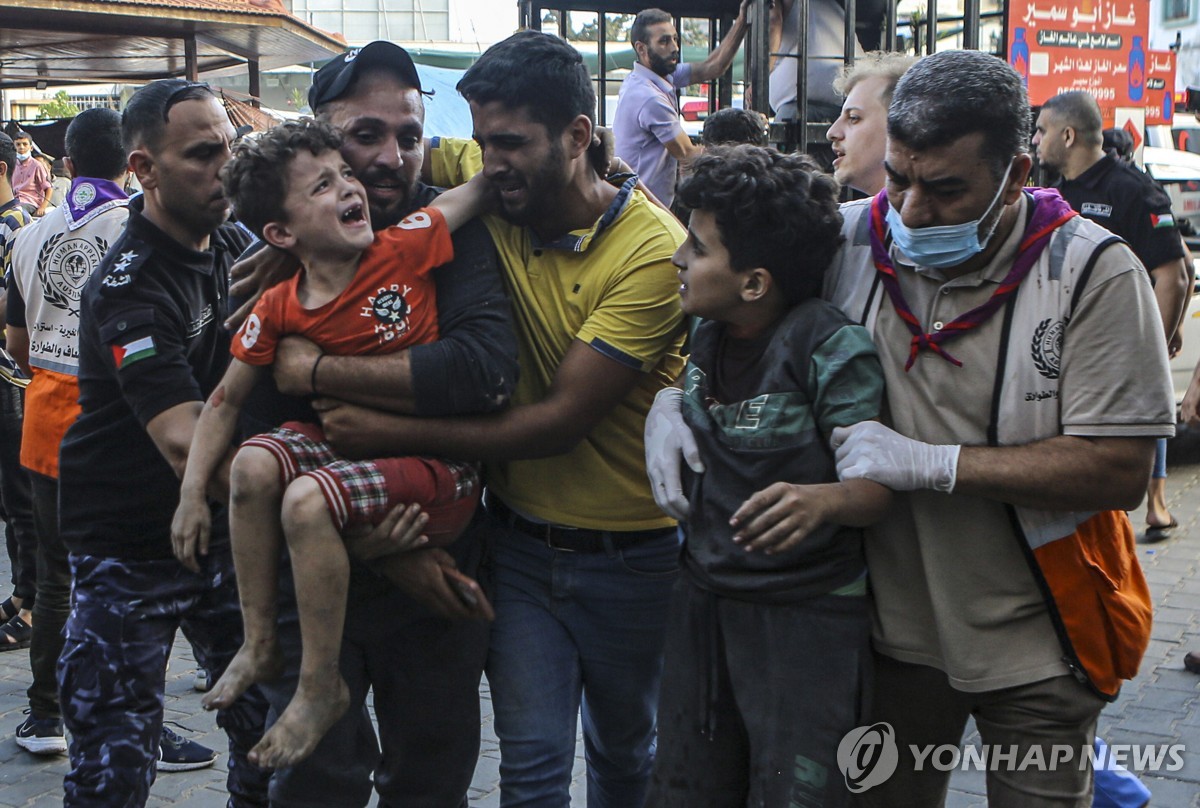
(952, 587)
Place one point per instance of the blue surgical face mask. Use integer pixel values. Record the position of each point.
(23, 157)
(945, 245)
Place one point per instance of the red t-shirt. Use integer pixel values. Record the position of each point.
(390, 304)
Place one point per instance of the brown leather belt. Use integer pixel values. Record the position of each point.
(571, 539)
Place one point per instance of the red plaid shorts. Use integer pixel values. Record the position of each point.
(362, 492)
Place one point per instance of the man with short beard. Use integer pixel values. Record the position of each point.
(411, 638)
(646, 126)
(584, 562)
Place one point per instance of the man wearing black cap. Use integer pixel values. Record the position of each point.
(583, 560)
(416, 646)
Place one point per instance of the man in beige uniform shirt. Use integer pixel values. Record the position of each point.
(1026, 380)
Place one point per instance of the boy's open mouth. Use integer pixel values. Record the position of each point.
(352, 214)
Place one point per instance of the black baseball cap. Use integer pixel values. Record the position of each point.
(332, 80)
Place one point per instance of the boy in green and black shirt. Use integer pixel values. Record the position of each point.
(767, 648)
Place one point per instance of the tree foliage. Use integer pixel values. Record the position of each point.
(59, 106)
(616, 29)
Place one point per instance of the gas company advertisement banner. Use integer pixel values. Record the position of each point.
(1099, 46)
(1160, 86)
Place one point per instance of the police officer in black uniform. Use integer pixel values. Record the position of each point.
(1120, 198)
(152, 348)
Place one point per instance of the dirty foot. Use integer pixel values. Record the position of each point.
(312, 711)
(261, 662)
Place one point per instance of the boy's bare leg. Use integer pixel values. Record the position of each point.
(256, 536)
(321, 569)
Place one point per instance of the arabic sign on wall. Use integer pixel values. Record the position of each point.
(1160, 86)
(1093, 45)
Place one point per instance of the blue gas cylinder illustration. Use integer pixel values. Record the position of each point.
(1137, 70)
(1019, 55)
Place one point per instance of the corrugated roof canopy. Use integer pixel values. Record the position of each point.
(100, 41)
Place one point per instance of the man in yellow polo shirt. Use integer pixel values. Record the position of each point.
(584, 560)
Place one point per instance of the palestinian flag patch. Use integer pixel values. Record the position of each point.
(1158, 220)
(124, 355)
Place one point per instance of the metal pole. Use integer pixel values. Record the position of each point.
(602, 66)
(801, 75)
(678, 90)
(931, 26)
(255, 83)
(191, 64)
(850, 40)
(971, 24)
(725, 83)
(759, 63)
(715, 83)
(889, 26)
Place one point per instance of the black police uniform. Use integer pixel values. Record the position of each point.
(1126, 201)
(151, 338)
(1122, 199)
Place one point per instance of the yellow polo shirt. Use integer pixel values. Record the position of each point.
(613, 287)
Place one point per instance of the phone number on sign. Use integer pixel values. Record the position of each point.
(1100, 93)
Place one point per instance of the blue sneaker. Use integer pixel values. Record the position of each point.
(42, 736)
(178, 754)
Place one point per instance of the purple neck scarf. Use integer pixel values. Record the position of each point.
(89, 197)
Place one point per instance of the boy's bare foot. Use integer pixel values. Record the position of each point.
(261, 662)
(312, 711)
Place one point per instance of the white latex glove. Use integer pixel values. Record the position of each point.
(870, 451)
(668, 439)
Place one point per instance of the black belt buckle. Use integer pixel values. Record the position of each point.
(549, 536)
(538, 530)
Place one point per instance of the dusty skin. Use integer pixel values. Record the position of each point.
(318, 703)
(252, 664)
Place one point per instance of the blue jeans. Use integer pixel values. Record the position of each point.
(1160, 460)
(572, 630)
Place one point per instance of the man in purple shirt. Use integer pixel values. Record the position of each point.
(648, 134)
(30, 179)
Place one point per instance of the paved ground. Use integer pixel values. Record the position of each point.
(1161, 706)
